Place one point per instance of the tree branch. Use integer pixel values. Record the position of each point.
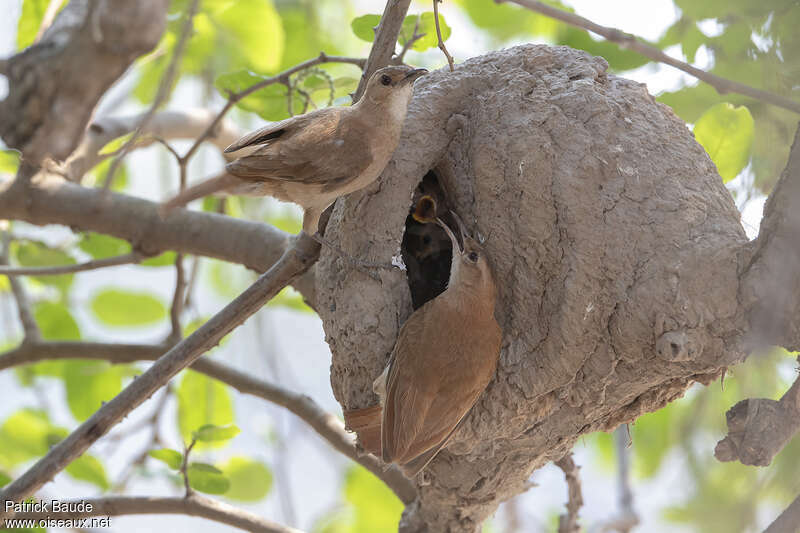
(165, 125)
(194, 505)
(568, 523)
(770, 281)
(759, 428)
(52, 200)
(164, 88)
(788, 520)
(282, 77)
(627, 519)
(55, 84)
(328, 426)
(95, 264)
(294, 261)
(29, 326)
(439, 34)
(631, 42)
(385, 38)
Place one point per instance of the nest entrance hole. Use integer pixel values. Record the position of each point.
(426, 248)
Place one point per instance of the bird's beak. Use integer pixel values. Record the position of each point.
(461, 228)
(414, 74)
(457, 244)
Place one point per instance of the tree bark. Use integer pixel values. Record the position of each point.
(55, 84)
(618, 247)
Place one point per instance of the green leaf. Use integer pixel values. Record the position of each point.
(31, 19)
(427, 26)
(161, 260)
(726, 132)
(254, 31)
(36, 254)
(5, 479)
(286, 222)
(115, 144)
(270, 103)
(363, 26)
(56, 322)
(376, 506)
(290, 299)
(212, 433)
(173, 458)
(101, 246)
(89, 384)
(9, 161)
(250, 481)
(100, 172)
(201, 401)
(25, 435)
(90, 469)
(207, 478)
(228, 280)
(5, 285)
(121, 308)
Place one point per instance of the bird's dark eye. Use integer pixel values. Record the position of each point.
(473, 256)
(386, 79)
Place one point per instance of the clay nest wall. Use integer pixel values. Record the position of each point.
(614, 243)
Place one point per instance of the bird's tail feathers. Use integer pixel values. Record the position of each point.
(217, 184)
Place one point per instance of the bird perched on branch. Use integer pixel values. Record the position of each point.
(444, 357)
(314, 158)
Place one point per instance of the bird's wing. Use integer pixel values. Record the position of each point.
(416, 418)
(328, 147)
(264, 135)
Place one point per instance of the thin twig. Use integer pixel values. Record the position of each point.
(153, 423)
(328, 426)
(161, 95)
(626, 519)
(439, 34)
(385, 40)
(296, 260)
(29, 327)
(631, 42)
(176, 310)
(415, 36)
(185, 465)
(194, 505)
(47, 20)
(282, 77)
(568, 523)
(125, 259)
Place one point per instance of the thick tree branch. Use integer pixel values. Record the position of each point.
(125, 259)
(52, 200)
(164, 125)
(194, 505)
(788, 521)
(568, 523)
(55, 84)
(770, 282)
(328, 426)
(759, 428)
(296, 260)
(385, 39)
(631, 42)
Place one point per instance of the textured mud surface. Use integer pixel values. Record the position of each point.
(613, 239)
